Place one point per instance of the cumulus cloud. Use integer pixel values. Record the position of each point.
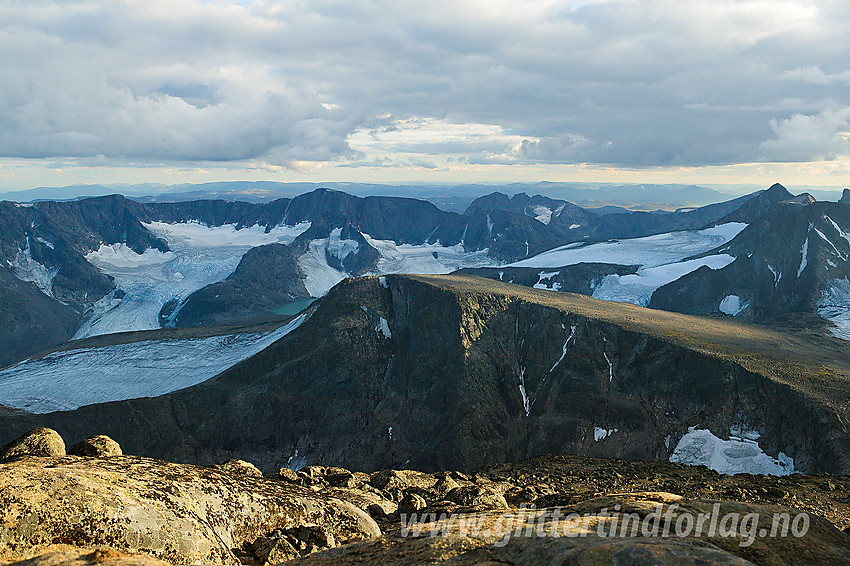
(802, 137)
(384, 83)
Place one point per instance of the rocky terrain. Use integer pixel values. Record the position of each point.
(457, 372)
(104, 507)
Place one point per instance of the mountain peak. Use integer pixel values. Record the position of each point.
(845, 197)
(777, 190)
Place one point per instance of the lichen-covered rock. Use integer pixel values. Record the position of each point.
(443, 486)
(411, 503)
(100, 446)
(592, 533)
(287, 475)
(240, 468)
(178, 513)
(476, 495)
(37, 442)
(88, 557)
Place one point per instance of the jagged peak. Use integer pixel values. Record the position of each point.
(805, 199)
(845, 197)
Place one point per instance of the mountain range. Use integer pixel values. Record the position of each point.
(276, 332)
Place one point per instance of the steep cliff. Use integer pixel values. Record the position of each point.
(437, 372)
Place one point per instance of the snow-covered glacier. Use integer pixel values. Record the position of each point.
(66, 380)
(200, 255)
(661, 260)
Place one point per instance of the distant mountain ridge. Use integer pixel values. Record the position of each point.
(45, 244)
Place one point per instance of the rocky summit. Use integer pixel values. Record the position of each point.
(127, 510)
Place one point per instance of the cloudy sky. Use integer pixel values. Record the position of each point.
(703, 91)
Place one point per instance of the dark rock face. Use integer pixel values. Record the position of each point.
(754, 207)
(771, 275)
(573, 223)
(845, 197)
(31, 320)
(266, 278)
(474, 372)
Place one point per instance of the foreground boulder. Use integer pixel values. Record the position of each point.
(178, 513)
(37, 442)
(100, 446)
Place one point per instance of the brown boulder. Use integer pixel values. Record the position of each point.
(100, 446)
(37, 442)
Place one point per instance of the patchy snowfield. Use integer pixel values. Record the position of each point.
(660, 259)
(429, 259)
(200, 255)
(426, 259)
(834, 305)
(637, 288)
(650, 251)
(740, 454)
(28, 269)
(70, 379)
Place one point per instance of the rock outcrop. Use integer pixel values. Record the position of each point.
(100, 446)
(177, 513)
(43, 442)
(127, 511)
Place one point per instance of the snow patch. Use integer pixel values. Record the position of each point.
(828, 241)
(574, 226)
(319, 277)
(804, 252)
(46, 243)
(340, 248)
(602, 433)
(732, 305)
(834, 306)
(564, 349)
(526, 403)
(67, 380)
(431, 259)
(777, 275)
(544, 276)
(838, 229)
(383, 327)
(29, 270)
(111, 257)
(738, 455)
(383, 281)
(542, 213)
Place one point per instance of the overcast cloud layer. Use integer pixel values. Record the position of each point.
(396, 83)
